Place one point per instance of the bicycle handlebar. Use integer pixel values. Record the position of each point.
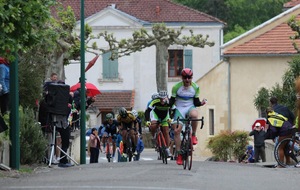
(190, 119)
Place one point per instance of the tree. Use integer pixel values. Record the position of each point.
(20, 22)
(237, 12)
(161, 37)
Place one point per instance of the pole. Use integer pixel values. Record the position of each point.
(82, 91)
(14, 115)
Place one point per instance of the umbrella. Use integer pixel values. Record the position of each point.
(91, 63)
(91, 89)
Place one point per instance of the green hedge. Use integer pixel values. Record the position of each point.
(228, 145)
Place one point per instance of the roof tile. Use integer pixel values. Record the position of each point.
(274, 41)
(146, 10)
(110, 99)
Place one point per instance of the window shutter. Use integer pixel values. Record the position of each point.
(188, 58)
(110, 67)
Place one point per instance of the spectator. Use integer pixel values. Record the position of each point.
(139, 148)
(248, 157)
(94, 146)
(4, 82)
(259, 142)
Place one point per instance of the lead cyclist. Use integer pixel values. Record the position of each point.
(185, 95)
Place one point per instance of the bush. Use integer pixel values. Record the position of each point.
(32, 140)
(228, 145)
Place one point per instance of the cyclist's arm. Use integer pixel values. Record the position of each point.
(147, 114)
(171, 101)
(197, 102)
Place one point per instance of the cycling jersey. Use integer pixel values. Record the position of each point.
(184, 97)
(158, 111)
(111, 128)
(128, 121)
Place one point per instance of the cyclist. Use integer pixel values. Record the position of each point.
(158, 110)
(138, 121)
(185, 95)
(110, 125)
(127, 120)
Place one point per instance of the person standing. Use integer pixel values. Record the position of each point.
(259, 142)
(185, 95)
(94, 146)
(4, 82)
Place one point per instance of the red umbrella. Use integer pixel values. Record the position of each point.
(91, 63)
(91, 89)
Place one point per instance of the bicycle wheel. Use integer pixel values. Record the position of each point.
(189, 151)
(129, 148)
(164, 153)
(184, 151)
(290, 149)
(108, 152)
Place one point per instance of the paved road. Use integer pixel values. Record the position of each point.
(152, 174)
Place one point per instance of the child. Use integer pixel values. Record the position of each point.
(259, 142)
(94, 146)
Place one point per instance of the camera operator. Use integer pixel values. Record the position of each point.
(59, 103)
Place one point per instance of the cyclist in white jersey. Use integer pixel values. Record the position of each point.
(185, 96)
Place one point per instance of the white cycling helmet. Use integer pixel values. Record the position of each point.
(163, 94)
(154, 95)
(134, 113)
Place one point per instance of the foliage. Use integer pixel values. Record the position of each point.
(285, 93)
(227, 145)
(237, 30)
(237, 12)
(21, 23)
(32, 141)
(142, 116)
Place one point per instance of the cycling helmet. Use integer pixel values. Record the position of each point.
(187, 72)
(163, 94)
(134, 113)
(109, 116)
(123, 112)
(154, 95)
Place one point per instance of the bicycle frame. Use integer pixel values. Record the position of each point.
(108, 147)
(186, 142)
(161, 145)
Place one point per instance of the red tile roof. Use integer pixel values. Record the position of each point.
(291, 3)
(274, 41)
(146, 10)
(111, 99)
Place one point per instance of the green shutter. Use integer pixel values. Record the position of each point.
(188, 58)
(110, 67)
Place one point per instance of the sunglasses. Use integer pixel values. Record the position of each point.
(187, 77)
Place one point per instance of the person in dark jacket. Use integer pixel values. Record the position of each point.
(259, 142)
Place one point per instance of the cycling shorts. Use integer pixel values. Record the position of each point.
(182, 113)
(163, 121)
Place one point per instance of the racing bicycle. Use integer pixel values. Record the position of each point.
(291, 149)
(186, 141)
(161, 144)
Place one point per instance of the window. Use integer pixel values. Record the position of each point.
(211, 122)
(179, 59)
(110, 67)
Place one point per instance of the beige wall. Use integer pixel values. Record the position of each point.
(247, 76)
(213, 87)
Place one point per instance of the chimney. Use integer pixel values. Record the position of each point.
(157, 11)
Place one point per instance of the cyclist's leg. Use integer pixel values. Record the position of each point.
(124, 137)
(177, 130)
(114, 144)
(193, 113)
(153, 118)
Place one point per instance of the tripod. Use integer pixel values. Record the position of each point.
(53, 145)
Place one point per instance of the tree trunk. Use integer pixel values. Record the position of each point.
(57, 66)
(161, 68)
